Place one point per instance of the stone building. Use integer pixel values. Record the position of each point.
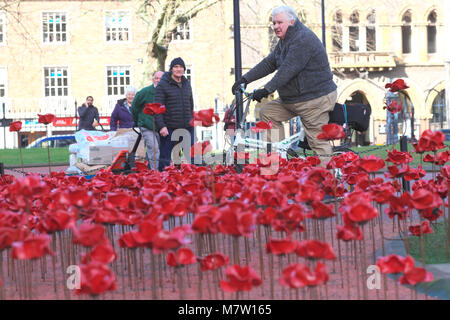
(53, 53)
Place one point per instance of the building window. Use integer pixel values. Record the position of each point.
(183, 32)
(336, 32)
(54, 27)
(3, 82)
(117, 78)
(438, 110)
(406, 32)
(431, 32)
(117, 26)
(354, 31)
(188, 73)
(56, 82)
(2, 28)
(371, 41)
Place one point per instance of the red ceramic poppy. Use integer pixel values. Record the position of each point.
(88, 234)
(46, 118)
(423, 228)
(393, 107)
(414, 174)
(240, 279)
(349, 232)
(154, 108)
(55, 220)
(331, 131)
(33, 247)
(431, 214)
(96, 278)
(166, 240)
(424, 199)
(312, 249)
(399, 157)
(204, 118)
(430, 141)
(299, 276)
(280, 246)
(321, 210)
(397, 85)
(8, 235)
(15, 126)
(394, 263)
(415, 275)
(181, 257)
(103, 253)
(382, 193)
(236, 223)
(213, 261)
(262, 125)
(371, 163)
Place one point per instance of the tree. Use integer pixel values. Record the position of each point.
(163, 17)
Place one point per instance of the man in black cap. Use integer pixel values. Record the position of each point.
(175, 92)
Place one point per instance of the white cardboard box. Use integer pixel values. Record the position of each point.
(99, 155)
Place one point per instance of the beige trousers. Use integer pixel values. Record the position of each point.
(313, 114)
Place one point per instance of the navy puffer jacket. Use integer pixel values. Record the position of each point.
(178, 101)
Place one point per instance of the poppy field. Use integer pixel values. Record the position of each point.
(194, 232)
(280, 229)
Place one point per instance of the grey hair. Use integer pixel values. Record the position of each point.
(290, 13)
(130, 89)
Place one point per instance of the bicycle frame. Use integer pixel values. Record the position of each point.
(280, 147)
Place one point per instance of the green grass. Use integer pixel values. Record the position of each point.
(33, 156)
(434, 246)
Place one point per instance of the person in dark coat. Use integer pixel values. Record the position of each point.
(175, 92)
(122, 111)
(303, 79)
(89, 117)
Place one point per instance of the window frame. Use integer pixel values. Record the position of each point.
(130, 68)
(67, 41)
(5, 69)
(190, 22)
(369, 25)
(404, 26)
(338, 25)
(69, 84)
(114, 42)
(3, 24)
(432, 26)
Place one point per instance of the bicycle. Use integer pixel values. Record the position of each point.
(352, 117)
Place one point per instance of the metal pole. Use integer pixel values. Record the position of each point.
(413, 138)
(76, 117)
(323, 24)
(404, 148)
(237, 60)
(217, 132)
(4, 126)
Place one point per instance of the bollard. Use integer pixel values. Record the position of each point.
(404, 148)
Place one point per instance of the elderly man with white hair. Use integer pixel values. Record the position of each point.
(145, 121)
(303, 80)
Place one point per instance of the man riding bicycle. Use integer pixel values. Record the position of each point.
(303, 80)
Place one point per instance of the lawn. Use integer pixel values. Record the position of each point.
(434, 246)
(34, 156)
